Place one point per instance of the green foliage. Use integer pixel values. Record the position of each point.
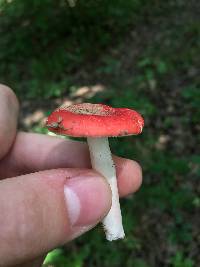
(48, 40)
(58, 258)
(191, 95)
(180, 261)
(137, 262)
(146, 57)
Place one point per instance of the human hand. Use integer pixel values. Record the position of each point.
(49, 194)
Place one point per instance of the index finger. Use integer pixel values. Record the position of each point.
(36, 152)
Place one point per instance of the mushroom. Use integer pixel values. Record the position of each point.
(97, 122)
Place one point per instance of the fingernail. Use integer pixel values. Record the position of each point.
(88, 200)
(73, 204)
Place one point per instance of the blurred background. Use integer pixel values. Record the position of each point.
(125, 53)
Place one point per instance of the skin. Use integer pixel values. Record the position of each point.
(35, 216)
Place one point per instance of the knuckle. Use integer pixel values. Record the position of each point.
(25, 224)
(30, 217)
(10, 96)
(8, 118)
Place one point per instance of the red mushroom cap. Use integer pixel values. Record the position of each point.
(94, 120)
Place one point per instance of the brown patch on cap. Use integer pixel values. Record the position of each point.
(88, 109)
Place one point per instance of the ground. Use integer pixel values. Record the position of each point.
(143, 56)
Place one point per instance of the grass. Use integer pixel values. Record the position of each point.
(146, 56)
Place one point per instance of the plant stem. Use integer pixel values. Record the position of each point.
(101, 160)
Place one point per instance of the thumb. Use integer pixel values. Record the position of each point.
(43, 210)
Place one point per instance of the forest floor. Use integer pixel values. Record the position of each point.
(154, 67)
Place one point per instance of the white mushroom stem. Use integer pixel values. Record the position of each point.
(101, 160)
